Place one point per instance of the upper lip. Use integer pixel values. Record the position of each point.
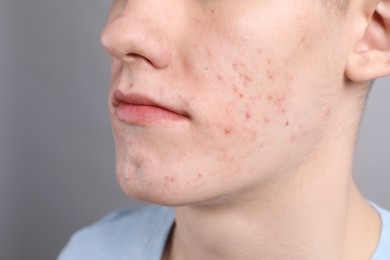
(141, 100)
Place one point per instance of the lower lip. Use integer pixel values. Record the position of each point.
(142, 115)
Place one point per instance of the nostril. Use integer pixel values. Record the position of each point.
(134, 57)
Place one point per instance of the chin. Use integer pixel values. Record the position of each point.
(163, 197)
(163, 191)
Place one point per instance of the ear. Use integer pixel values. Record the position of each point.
(370, 58)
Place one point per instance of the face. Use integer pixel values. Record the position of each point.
(212, 99)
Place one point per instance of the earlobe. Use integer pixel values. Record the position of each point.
(370, 58)
(368, 65)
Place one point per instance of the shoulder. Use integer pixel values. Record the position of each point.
(124, 234)
(383, 249)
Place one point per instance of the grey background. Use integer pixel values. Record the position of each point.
(56, 148)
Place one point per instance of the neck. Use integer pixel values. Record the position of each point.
(281, 221)
(288, 226)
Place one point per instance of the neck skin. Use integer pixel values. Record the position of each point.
(314, 213)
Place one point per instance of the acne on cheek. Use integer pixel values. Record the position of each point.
(278, 102)
(248, 115)
(228, 130)
(168, 179)
(240, 81)
(242, 72)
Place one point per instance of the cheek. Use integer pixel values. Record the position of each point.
(249, 102)
(249, 95)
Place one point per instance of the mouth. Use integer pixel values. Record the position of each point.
(138, 109)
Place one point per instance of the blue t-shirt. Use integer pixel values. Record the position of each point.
(141, 234)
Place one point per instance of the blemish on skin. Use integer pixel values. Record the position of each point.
(254, 136)
(266, 120)
(228, 130)
(278, 101)
(206, 68)
(290, 78)
(235, 66)
(209, 54)
(293, 138)
(170, 178)
(247, 79)
(287, 123)
(242, 70)
(219, 77)
(328, 112)
(212, 11)
(269, 61)
(200, 175)
(235, 89)
(241, 95)
(270, 74)
(248, 115)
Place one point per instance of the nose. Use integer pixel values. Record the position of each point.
(134, 36)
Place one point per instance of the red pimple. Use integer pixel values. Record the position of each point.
(254, 136)
(219, 77)
(248, 115)
(270, 74)
(278, 101)
(248, 78)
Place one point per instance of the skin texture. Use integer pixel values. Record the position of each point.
(272, 94)
(265, 99)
